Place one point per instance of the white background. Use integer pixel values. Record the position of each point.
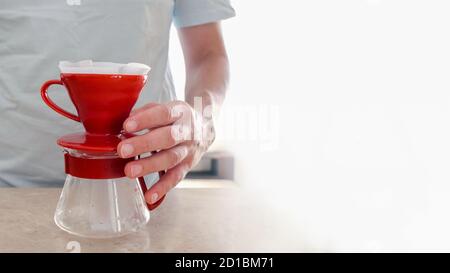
(362, 92)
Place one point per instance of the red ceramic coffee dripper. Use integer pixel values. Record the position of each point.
(103, 102)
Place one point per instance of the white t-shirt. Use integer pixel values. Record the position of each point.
(35, 35)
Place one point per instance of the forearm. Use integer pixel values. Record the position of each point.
(206, 85)
(208, 80)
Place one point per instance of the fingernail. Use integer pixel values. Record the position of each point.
(135, 170)
(127, 150)
(131, 125)
(154, 198)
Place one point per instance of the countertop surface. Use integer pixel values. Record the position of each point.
(218, 217)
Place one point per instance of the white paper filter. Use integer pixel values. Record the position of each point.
(90, 67)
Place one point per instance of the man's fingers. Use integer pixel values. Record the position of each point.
(160, 161)
(155, 116)
(143, 108)
(155, 140)
(168, 181)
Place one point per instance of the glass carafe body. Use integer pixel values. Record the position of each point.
(101, 208)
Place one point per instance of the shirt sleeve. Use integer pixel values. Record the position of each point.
(197, 12)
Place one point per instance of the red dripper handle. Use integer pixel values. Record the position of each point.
(52, 104)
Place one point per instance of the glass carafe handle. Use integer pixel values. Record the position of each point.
(144, 190)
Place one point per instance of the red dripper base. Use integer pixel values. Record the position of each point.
(96, 158)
